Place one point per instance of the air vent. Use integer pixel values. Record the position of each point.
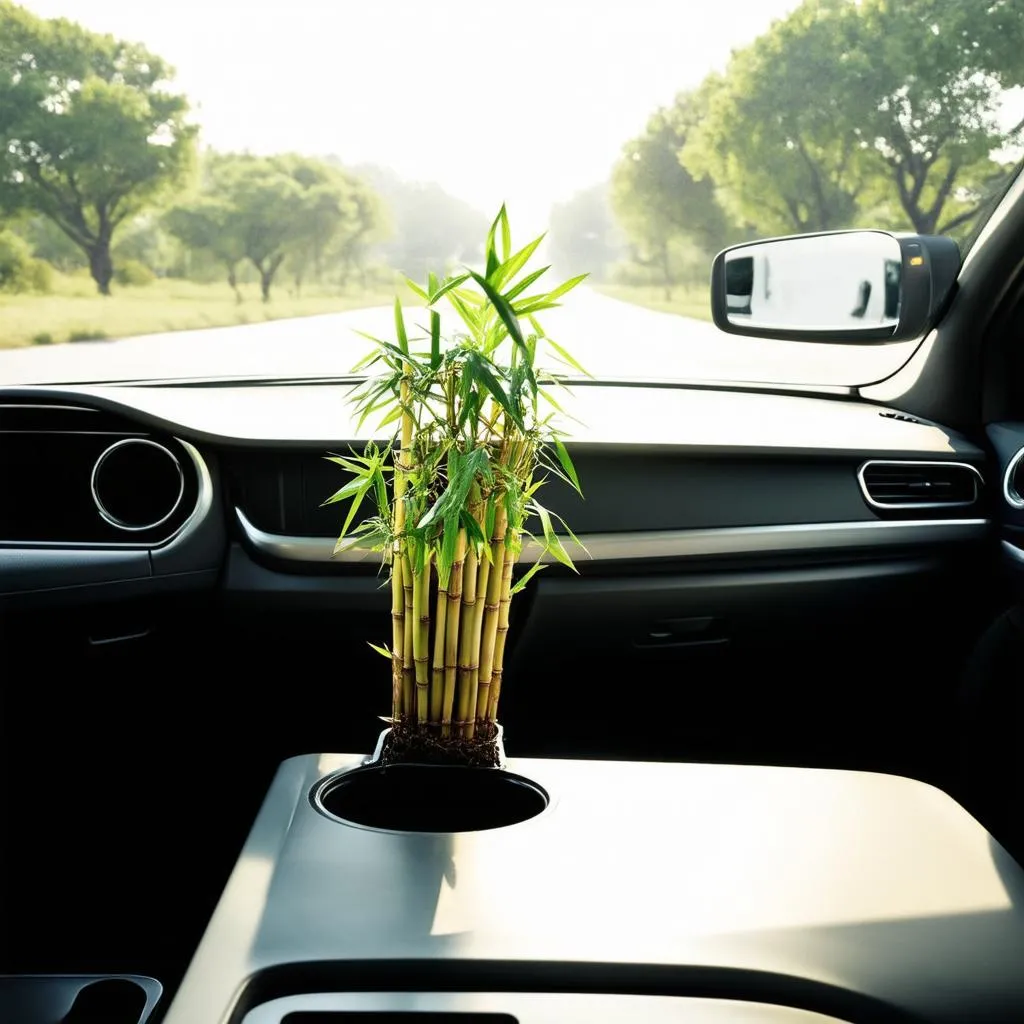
(901, 416)
(897, 485)
(1013, 481)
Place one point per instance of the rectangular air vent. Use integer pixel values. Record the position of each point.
(891, 484)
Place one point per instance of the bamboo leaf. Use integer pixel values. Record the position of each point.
(449, 286)
(380, 650)
(566, 287)
(490, 382)
(534, 304)
(432, 287)
(503, 309)
(521, 583)
(414, 287)
(403, 338)
(512, 265)
(506, 233)
(566, 357)
(521, 287)
(567, 464)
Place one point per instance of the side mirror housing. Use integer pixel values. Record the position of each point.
(846, 286)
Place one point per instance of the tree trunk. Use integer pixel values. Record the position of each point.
(233, 281)
(100, 265)
(666, 270)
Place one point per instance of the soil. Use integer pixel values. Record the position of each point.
(425, 745)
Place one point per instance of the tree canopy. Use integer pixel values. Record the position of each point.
(269, 210)
(89, 132)
(846, 112)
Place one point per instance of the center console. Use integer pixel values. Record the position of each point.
(641, 891)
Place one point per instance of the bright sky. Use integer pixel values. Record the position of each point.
(524, 101)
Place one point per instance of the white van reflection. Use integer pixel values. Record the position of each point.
(826, 282)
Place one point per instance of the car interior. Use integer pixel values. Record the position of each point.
(785, 576)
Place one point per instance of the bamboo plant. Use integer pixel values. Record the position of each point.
(456, 489)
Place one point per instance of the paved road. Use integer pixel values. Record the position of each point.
(610, 338)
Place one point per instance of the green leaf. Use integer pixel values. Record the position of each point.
(567, 464)
(566, 357)
(552, 543)
(521, 583)
(533, 304)
(482, 372)
(521, 287)
(414, 287)
(566, 286)
(380, 650)
(506, 233)
(403, 338)
(432, 286)
(450, 285)
(503, 309)
(491, 257)
(508, 270)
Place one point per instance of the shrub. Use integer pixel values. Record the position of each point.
(42, 338)
(39, 277)
(87, 335)
(132, 272)
(15, 258)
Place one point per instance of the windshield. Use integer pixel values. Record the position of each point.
(219, 190)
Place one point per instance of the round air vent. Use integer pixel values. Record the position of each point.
(1013, 481)
(137, 484)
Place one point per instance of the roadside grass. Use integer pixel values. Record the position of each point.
(686, 301)
(75, 312)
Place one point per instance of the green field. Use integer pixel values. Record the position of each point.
(75, 309)
(692, 302)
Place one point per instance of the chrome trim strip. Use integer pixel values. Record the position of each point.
(742, 540)
(105, 514)
(1010, 494)
(978, 483)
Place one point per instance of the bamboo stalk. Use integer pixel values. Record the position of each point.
(451, 644)
(491, 607)
(468, 657)
(408, 677)
(501, 631)
(483, 576)
(421, 639)
(437, 669)
(400, 564)
(397, 637)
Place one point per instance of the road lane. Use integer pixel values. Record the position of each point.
(609, 337)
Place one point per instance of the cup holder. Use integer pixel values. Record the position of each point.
(429, 798)
(108, 1001)
(78, 998)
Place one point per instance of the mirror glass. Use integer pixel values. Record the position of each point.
(838, 282)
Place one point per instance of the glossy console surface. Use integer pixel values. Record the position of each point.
(791, 880)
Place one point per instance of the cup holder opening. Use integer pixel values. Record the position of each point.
(429, 798)
(108, 1001)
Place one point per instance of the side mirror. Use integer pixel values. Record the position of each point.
(856, 286)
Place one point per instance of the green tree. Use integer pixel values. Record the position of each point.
(773, 138)
(656, 199)
(340, 216)
(89, 134)
(931, 77)
(846, 111)
(206, 225)
(584, 236)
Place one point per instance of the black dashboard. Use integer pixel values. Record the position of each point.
(123, 490)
